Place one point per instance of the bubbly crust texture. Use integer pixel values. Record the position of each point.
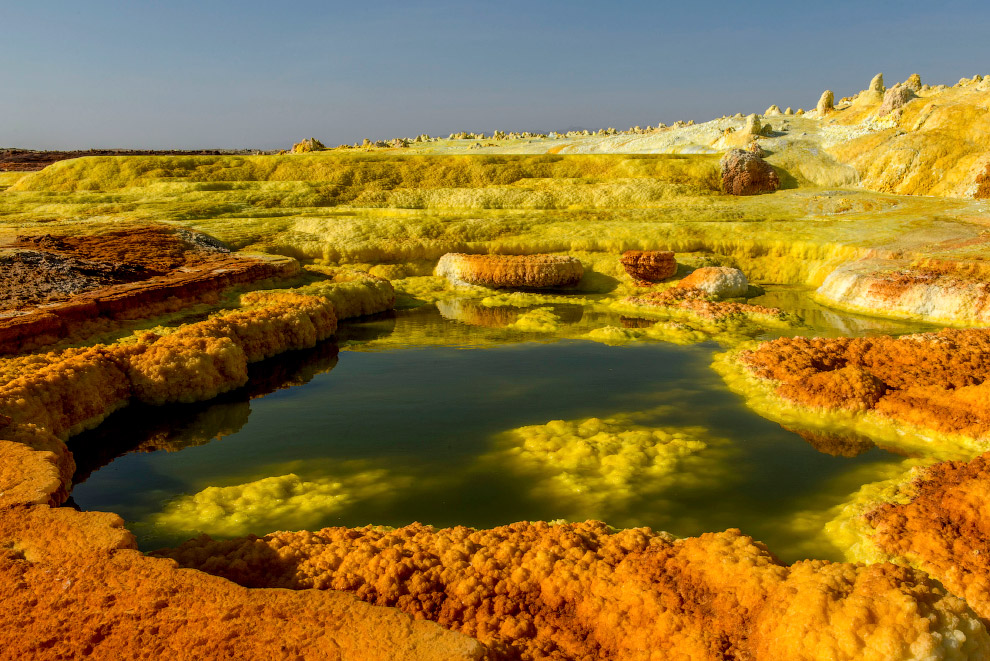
(510, 271)
(649, 265)
(585, 591)
(943, 528)
(73, 585)
(931, 380)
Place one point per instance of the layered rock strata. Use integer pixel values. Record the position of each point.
(649, 265)
(584, 591)
(511, 271)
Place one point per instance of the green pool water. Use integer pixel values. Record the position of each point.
(423, 417)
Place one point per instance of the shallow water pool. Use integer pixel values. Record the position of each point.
(424, 417)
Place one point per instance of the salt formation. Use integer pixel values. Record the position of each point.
(509, 271)
(649, 265)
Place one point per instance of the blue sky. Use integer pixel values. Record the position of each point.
(184, 74)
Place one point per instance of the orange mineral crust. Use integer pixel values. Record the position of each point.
(649, 265)
(700, 303)
(72, 585)
(585, 591)
(59, 286)
(931, 380)
(511, 271)
(944, 528)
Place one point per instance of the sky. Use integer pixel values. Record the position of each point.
(210, 74)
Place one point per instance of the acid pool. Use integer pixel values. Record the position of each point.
(452, 418)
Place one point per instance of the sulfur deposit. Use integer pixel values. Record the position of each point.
(111, 294)
(953, 293)
(595, 464)
(696, 301)
(511, 271)
(935, 381)
(937, 522)
(584, 591)
(649, 265)
(58, 286)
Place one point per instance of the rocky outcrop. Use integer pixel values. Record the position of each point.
(59, 286)
(930, 146)
(717, 281)
(826, 103)
(94, 310)
(308, 145)
(913, 82)
(745, 173)
(511, 271)
(895, 98)
(983, 184)
(876, 85)
(649, 265)
(753, 126)
(582, 590)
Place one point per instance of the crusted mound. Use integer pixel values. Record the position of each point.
(934, 380)
(943, 528)
(745, 173)
(718, 281)
(584, 591)
(510, 271)
(649, 265)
